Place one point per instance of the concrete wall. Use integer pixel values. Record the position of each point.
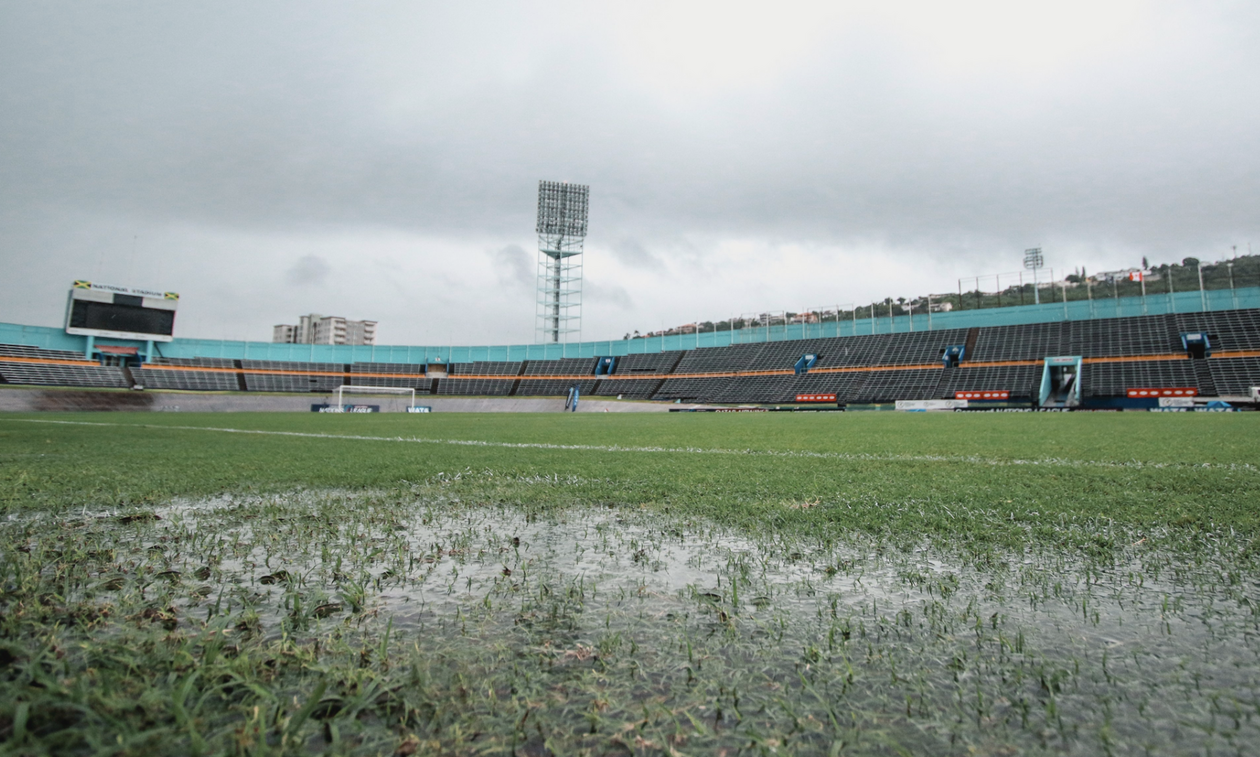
(32, 399)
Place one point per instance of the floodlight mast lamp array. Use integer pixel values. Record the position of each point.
(1033, 260)
(562, 214)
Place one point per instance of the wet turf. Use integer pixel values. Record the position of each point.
(651, 584)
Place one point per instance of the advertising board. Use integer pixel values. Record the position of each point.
(923, 406)
(1176, 402)
(988, 394)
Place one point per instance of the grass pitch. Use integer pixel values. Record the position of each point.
(629, 584)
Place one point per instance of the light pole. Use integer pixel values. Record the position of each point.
(1033, 260)
(1198, 267)
(562, 217)
(1233, 293)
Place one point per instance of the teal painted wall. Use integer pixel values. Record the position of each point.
(1079, 310)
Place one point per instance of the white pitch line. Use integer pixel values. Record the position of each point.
(810, 454)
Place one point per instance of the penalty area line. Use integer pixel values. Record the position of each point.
(617, 448)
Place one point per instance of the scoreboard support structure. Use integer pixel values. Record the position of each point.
(89, 348)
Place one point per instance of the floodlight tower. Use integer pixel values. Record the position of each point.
(562, 211)
(1033, 260)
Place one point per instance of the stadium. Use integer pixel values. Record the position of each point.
(1120, 353)
(996, 513)
(498, 574)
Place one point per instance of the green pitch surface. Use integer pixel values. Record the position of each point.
(630, 584)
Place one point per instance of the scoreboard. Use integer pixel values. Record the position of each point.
(121, 312)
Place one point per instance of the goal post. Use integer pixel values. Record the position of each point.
(378, 390)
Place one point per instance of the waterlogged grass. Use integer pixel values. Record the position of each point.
(982, 480)
(820, 584)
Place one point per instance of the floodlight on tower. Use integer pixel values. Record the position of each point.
(1033, 260)
(562, 213)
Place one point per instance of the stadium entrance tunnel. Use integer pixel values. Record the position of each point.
(1197, 344)
(1061, 382)
(953, 355)
(806, 362)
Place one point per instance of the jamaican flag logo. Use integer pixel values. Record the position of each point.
(170, 295)
(81, 284)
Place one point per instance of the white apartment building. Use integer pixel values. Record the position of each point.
(360, 332)
(325, 329)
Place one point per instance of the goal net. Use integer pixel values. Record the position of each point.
(374, 399)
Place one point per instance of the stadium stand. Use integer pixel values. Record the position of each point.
(641, 389)
(178, 373)
(653, 362)
(820, 383)
(849, 352)
(57, 368)
(910, 348)
(488, 368)
(457, 384)
(547, 386)
(1231, 329)
(918, 348)
(553, 387)
(1022, 381)
(564, 367)
(284, 376)
(1234, 376)
(778, 356)
(399, 375)
(757, 389)
(692, 389)
(1031, 341)
(890, 386)
(1103, 337)
(1112, 379)
(1119, 353)
(646, 366)
(737, 357)
(61, 375)
(1121, 337)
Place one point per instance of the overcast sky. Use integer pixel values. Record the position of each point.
(381, 160)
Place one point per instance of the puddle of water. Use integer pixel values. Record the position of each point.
(1042, 651)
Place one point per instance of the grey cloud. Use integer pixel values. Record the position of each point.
(309, 269)
(631, 252)
(610, 294)
(267, 121)
(514, 267)
(265, 117)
